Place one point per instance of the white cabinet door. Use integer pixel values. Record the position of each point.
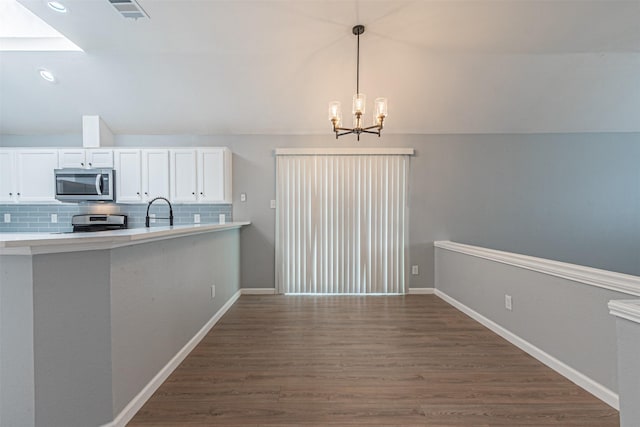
(183, 176)
(211, 175)
(7, 174)
(128, 176)
(99, 158)
(81, 158)
(35, 175)
(155, 173)
(71, 158)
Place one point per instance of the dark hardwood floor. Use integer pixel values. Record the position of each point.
(367, 361)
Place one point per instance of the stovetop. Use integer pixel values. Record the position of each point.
(98, 222)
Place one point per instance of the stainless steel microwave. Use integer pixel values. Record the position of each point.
(80, 185)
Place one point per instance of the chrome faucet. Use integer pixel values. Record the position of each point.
(147, 220)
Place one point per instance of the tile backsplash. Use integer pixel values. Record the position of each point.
(37, 218)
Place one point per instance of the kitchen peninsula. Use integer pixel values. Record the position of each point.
(91, 322)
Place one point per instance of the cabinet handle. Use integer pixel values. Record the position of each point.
(138, 193)
(193, 194)
(17, 194)
(81, 164)
(146, 194)
(11, 194)
(201, 193)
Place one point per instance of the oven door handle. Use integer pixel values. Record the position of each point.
(99, 184)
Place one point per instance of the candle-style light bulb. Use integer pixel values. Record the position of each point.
(381, 107)
(359, 101)
(335, 112)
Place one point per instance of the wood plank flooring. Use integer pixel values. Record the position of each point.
(363, 361)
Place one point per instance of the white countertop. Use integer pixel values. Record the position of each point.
(40, 243)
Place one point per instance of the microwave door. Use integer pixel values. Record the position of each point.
(76, 185)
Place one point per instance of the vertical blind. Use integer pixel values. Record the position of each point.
(341, 223)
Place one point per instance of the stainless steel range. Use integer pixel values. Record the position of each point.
(98, 222)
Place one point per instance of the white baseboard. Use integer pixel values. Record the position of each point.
(258, 291)
(421, 291)
(140, 399)
(598, 390)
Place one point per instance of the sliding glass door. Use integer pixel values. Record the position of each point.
(341, 224)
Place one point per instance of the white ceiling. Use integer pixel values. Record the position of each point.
(271, 67)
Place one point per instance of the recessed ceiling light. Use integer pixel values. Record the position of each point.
(57, 6)
(47, 75)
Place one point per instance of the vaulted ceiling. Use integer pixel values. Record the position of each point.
(233, 67)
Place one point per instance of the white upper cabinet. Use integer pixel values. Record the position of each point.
(71, 158)
(34, 174)
(184, 177)
(214, 175)
(155, 173)
(99, 158)
(128, 172)
(81, 158)
(7, 176)
(141, 175)
(200, 175)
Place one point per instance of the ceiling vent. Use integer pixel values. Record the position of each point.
(129, 9)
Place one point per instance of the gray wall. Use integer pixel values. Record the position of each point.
(16, 342)
(568, 197)
(568, 320)
(629, 371)
(160, 301)
(72, 338)
(572, 198)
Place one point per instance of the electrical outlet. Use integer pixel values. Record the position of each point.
(213, 291)
(508, 302)
(222, 219)
(243, 197)
(54, 218)
(273, 204)
(7, 217)
(152, 218)
(414, 270)
(196, 218)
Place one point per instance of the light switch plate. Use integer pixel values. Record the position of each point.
(508, 302)
(222, 218)
(414, 270)
(196, 218)
(243, 197)
(7, 217)
(152, 218)
(54, 218)
(273, 204)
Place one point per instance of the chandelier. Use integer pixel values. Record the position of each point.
(359, 100)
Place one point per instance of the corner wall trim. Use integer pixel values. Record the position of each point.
(598, 390)
(140, 399)
(421, 291)
(625, 309)
(258, 291)
(618, 282)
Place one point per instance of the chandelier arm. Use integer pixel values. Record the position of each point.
(373, 127)
(369, 131)
(348, 132)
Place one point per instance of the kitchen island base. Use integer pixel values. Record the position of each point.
(83, 333)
